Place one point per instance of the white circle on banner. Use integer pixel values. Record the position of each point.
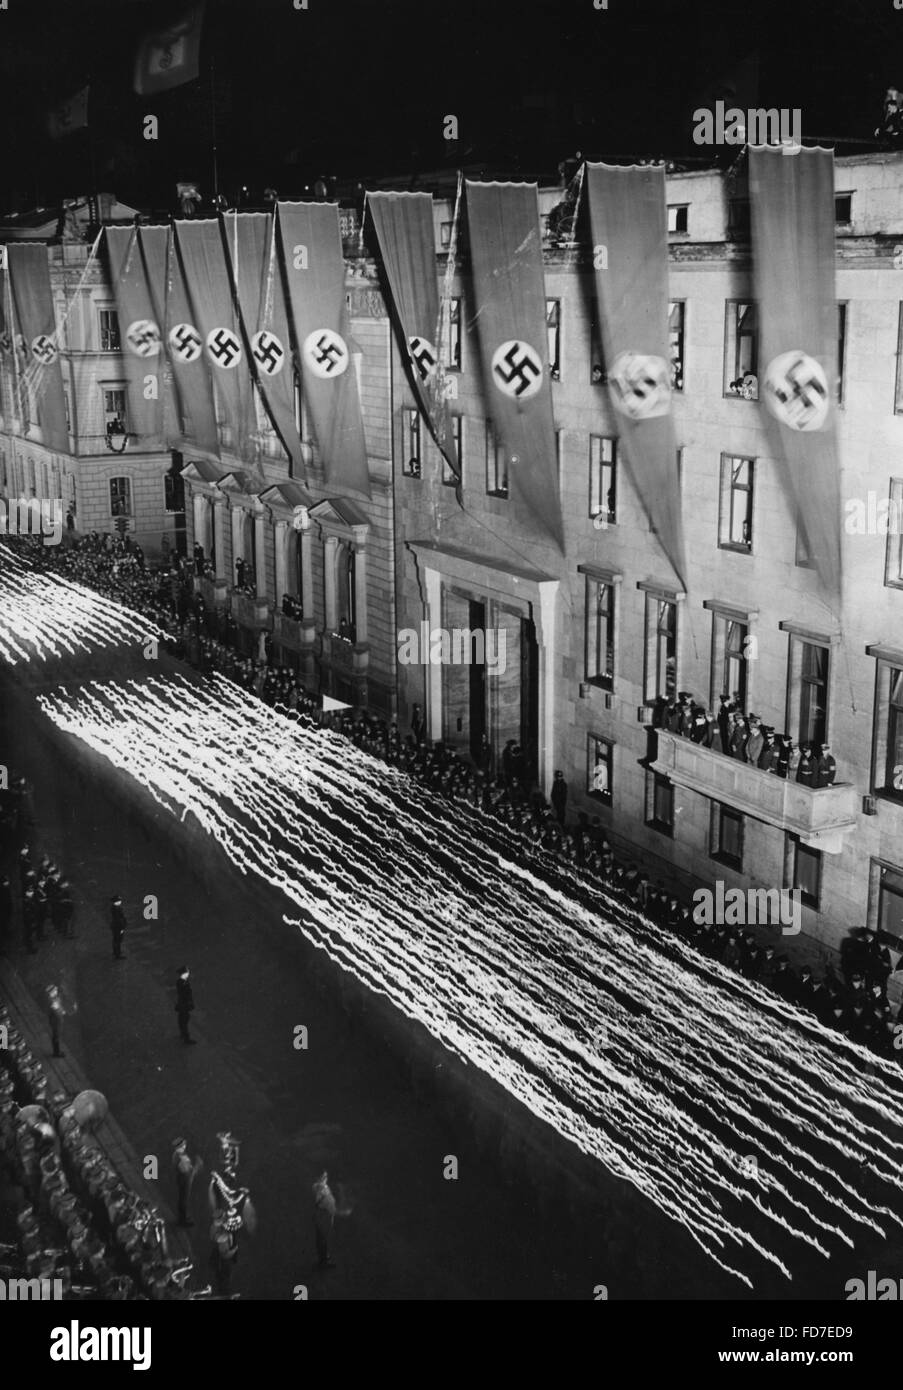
(797, 391)
(223, 348)
(641, 385)
(423, 356)
(143, 337)
(269, 354)
(43, 349)
(517, 369)
(326, 353)
(186, 342)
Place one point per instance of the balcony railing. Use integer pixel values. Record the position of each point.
(212, 591)
(819, 816)
(250, 612)
(344, 655)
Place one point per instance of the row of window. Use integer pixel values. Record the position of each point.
(738, 216)
(807, 706)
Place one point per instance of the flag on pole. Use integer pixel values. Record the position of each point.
(69, 115)
(169, 56)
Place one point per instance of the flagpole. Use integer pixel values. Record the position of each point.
(213, 117)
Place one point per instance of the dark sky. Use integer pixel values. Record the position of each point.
(359, 88)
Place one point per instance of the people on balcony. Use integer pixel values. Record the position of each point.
(736, 735)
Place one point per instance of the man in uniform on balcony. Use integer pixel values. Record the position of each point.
(825, 768)
(805, 773)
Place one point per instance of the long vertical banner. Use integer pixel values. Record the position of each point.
(792, 208)
(141, 336)
(206, 270)
(407, 243)
(251, 247)
(34, 312)
(314, 269)
(628, 225)
(509, 290)
(194, 419)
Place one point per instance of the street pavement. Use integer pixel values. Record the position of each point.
(345, 1102)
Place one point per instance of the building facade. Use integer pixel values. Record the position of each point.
(585, 640)
(594, 636)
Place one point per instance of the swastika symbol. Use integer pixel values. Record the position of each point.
(796, 391)
(325, 353)
(186, 342)
(269, 354)
(143, 337)
(423, 355)
(640, 385)
(43, 349)
(517, 369)
(223, 347)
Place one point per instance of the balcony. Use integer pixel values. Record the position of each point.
(250, 612)
(820, 817)
(295, 633)
(212, 591)
(343, 655)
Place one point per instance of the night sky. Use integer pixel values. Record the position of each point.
(358, 89)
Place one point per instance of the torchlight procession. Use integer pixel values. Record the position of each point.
(734, 1112)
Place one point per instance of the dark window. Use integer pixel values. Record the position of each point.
(412, 466)
(741, 356)
(603, 481)
(661, 648)
(736, 511)
(659, 803)
(843, 207)
(553, 330)
(726, 836)
(120, 497)
(805, 871)
(496, 465)
(109, 331)
(676, 321)
(457, 439)
(678, 217)
(600, 632)
(453, 336)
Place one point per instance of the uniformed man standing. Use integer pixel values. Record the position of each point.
(55, 1014)
(118, 925)
(184, 1003)
(324, 1219)
(185, 1172)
